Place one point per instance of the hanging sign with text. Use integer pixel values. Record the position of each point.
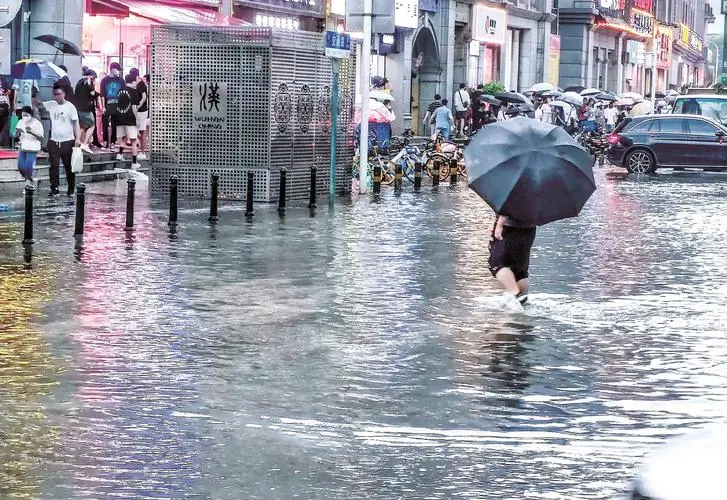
(209, 105)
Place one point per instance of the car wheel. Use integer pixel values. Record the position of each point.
(640, 161)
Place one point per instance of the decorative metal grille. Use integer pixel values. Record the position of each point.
(278, 113)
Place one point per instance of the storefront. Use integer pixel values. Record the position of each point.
(119, 30)
(687, 59)
(489, 30)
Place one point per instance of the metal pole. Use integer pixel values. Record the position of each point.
(283, 190)
(365, 82)
(80, 209)
(213, 199)
(173, 195)
(130, 192)
(334, 131)
(249, 212)
(723, 73)
(417, 177)
(313, 171)
(28, 229)
(377, 180)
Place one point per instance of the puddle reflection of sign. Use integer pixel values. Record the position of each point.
(209, 106)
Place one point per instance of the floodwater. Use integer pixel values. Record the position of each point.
(360, 353)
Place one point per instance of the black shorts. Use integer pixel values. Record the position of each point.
(460, 115)
(512, 251)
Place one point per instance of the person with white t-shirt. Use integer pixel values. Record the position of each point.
(65, 133)
(610, 114)
(461, 105)
(30, 132)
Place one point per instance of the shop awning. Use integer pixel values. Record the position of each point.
(166, 13)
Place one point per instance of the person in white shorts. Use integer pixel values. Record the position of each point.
(126, 105)
(142, 112)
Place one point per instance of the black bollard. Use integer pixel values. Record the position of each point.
(173, 200)
(417, 177)
(80, 209)
(313, 171)
(213, 200)
(398, 174)
(249, 212)
(28, 230)
(283, 190)
(377, 179)
(435, 174)
(130, 192)
(453, 171)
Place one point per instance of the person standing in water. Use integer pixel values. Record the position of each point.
(509, 261)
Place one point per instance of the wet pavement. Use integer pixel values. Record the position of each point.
(362, 353)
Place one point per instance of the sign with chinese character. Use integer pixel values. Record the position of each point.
(710, 56)
(5, 54)
(643, 5)
(684, 35)
(338, 45)
(406, 13)
(664, 46)
(637, 50)
(612, 5)
(490, 24)
(643, 22)
(209, 105)
(689, 39)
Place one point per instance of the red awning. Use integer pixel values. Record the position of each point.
(163, 13)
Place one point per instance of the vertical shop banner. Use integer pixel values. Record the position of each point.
(5, 54)
(554, 60)
(209, 105)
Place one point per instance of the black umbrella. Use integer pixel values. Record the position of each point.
(574, 88)
(513, 97)
(529, 170)
(60, 44)
(487, 98)
(605, 96)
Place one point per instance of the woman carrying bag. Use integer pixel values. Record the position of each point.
(30, 131)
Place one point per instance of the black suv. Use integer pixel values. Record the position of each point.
(644, 143)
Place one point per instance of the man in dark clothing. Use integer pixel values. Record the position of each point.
(86, 104)
(429, 115)
(110, 87)
(478, 108)
(127, 103)
(142, 112)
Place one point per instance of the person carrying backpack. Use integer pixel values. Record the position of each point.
(125, 118)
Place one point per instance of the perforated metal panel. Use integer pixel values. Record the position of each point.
(278, 87)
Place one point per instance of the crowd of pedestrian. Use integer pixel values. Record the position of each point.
(119, 104)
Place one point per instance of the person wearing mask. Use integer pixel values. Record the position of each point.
(142, 112)
(429, 115)
(30, 132)
(110, 87)
(126, 105)
(461, 105)
(65, 132)
(443, 119)
(86, 98)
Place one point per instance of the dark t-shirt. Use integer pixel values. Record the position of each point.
(126, 100)
(433, 106)
(85, 96)
(141, 90)
(110, 87)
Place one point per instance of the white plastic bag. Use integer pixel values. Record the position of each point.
(77, 160)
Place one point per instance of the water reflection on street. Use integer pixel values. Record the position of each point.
(360, 353)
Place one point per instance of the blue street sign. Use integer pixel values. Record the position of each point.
(338, 45)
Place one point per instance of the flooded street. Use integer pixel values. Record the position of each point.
(361, 353)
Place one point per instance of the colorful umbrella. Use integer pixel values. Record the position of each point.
(34, 69)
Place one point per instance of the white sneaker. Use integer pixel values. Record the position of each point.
(135, 166)
(84, 147)
(119, 157)
(141, 156)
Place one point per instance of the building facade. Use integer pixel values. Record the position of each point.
(633, 45)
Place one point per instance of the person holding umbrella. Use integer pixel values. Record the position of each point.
(530, 173)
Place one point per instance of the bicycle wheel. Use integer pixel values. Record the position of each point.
(442, 161)
(407, 167)
(388, 174)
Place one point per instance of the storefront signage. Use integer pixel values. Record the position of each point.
(642, 22)
(664, 41)
(209, 106)
(643, 4)
(338, 45)
(406, 13)
(613, 5)
(315, 8)
(710, 56)
(689, 39)
(490, 24)
(554, 60)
